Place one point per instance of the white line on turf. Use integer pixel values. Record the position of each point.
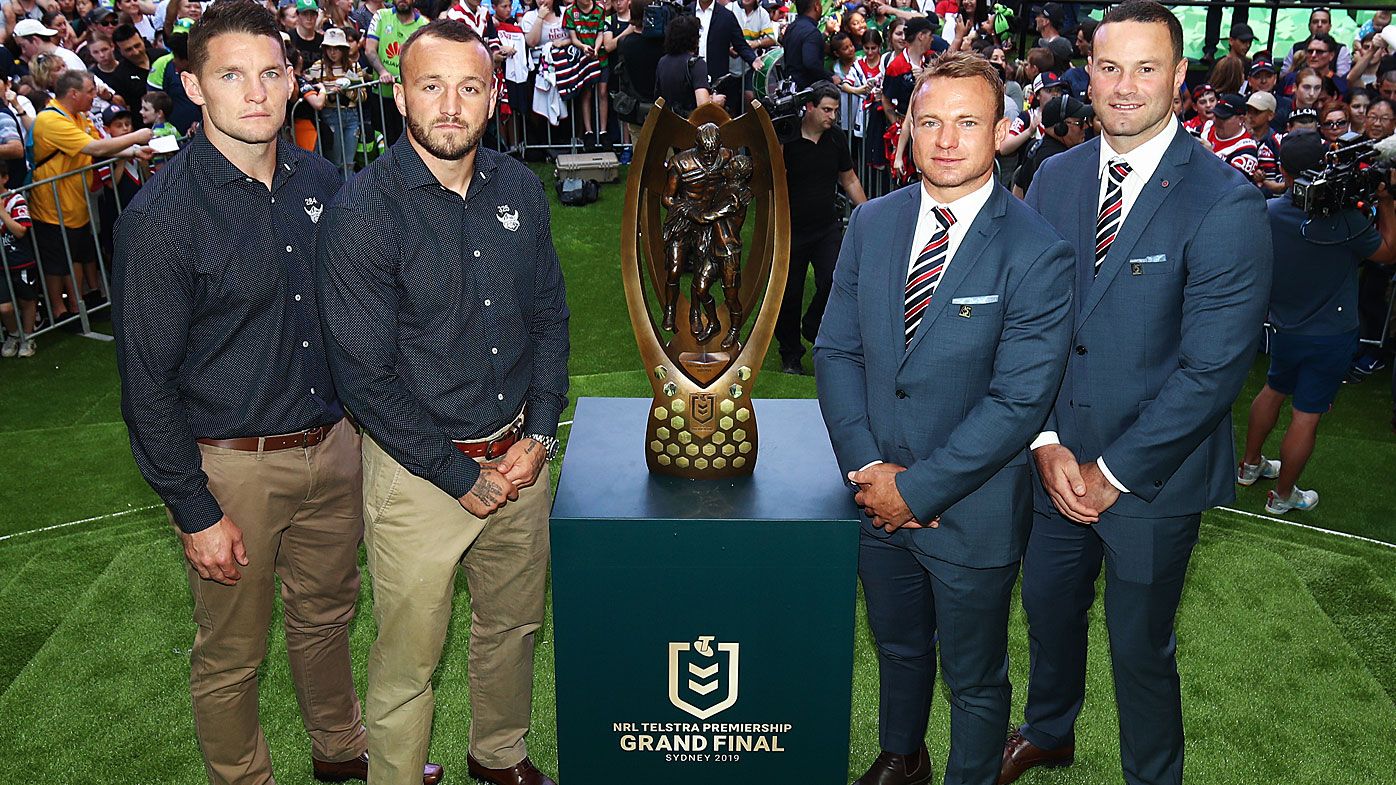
(117, 514)
(1298, 525)
(84, 520)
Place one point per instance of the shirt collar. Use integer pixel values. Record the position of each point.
(222, 171)
(1145, 158)
(414, 171)
(965, 208)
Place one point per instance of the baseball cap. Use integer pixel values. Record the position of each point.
(1059, 110)
(99, 13)
(33, 27)
(335, 37)
(1053, 12)
(114, 113)
(1262, 66)
(1301, 150)
(1242, 32)
(1229, 105)
(1201, 90)
(307, 5)
(1303, 116)
(914, 27)
(1261, 101)
(1061, 49)
(1045, 80)
(182, 25)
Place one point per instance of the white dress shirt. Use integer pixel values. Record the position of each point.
(705, 18)
(965, 209)
(1143, 162)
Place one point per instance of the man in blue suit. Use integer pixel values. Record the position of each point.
(720, 34)
(1172, 280)
(940, 353)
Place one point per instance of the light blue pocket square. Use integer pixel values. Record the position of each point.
(981, 300)
(1156, 258)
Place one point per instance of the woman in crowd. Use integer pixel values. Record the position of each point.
(1334, 120)
(852, 86)
(1308, 89)
(332, 73)
(855, 26)
(1228, 75)
(1358, 99)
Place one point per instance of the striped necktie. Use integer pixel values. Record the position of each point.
(1107, 225)
(926, 272)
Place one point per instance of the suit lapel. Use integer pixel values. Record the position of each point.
(976, 240)
(1089, 207)
(905, 232)
(1171, 170)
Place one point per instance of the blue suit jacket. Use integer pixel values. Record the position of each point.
(1164, 336)
(959, 406)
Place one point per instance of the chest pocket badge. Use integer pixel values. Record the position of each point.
(508, 218)
(966, 310)
(1136, 269)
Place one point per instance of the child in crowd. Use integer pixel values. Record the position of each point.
(155, 112)
(20, 283)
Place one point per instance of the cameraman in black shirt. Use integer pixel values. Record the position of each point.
(816, 162)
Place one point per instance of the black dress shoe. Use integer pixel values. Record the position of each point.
(1019, 755)
(792, 365)
(357, 769)
(891, 768)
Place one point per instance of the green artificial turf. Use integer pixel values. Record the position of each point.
(1285, 635)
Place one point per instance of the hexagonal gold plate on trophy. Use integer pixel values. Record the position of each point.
(693, 187)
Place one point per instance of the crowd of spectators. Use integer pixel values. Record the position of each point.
(587, 73)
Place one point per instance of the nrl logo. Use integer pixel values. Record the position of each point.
(313, 208)
(698, 673)
(510, 220)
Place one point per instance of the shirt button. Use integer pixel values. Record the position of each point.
(289, 249)
(494, 350)
(305, 344)
(273, 200)
(312, 390)
(298, 298)
(501, 396)
(477, 254)
(487, 302)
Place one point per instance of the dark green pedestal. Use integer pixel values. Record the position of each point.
(645, 567)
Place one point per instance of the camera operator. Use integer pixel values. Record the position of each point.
(1313, 310)
(816, 163)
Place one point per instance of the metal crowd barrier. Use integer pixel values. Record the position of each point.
(365, 133)
(81, 316)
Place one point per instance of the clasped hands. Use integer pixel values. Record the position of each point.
(878, 496)
(1079, 491)
(500, 483)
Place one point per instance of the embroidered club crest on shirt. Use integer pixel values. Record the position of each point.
(313, 208)
(508, 218)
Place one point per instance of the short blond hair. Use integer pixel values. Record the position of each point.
(960, 65)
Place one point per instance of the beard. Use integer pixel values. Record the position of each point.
(445, 148)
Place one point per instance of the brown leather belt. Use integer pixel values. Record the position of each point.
(306, 438)
(489, 449)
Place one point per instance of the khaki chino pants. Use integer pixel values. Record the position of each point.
(417, 536)
(301, 518)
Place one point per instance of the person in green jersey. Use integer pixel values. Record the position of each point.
(387, 32)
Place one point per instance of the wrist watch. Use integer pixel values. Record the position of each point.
(549, 443)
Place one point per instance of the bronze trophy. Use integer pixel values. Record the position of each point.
(694, 186)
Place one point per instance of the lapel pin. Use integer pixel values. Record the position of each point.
(965, 311)
(1164, 183)
(1136, 269)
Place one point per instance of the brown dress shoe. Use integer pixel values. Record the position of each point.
(893, 769)
(357, 769)
(521, 773)
(1019, 755)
